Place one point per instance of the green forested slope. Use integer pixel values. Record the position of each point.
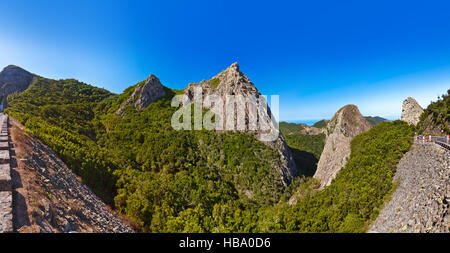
(61, 113)
(354, 198)
(199, 181)
(436, 117)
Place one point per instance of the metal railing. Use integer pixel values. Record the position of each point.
(427, 139)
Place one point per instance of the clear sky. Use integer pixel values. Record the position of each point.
(317, 55)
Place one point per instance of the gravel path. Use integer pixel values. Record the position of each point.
(421, 200)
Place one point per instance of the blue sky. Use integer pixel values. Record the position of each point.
(317, 55)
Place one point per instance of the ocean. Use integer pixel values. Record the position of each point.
(308, 122)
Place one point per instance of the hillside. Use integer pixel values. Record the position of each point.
(164, 180)
(321, 124)
(420, 202)
(125, 149)
(411, 111)
(436, 117)
(288, 128)
(355, 197)
(306, 148)
(13, 79)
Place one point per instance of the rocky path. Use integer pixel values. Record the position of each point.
(421, 200)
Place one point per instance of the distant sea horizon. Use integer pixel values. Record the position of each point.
(308, 122)
(311, 122)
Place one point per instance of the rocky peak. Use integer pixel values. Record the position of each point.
(144, 94)
(345, 124)
(15, 75)
(232, 82)
(13, 79)
(348, 121)
(411, 111)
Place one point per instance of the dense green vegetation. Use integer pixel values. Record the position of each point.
(305, 148)
(289, 128)
(310, 143)
(214, 82)
(437, 114)
(354, 198)
(375, 120)
(61, 114)
(201, 181)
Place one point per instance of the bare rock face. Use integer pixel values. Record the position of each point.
(345, 124)
(13, 79)
(232, 81)
(411, 111)
(144, 94)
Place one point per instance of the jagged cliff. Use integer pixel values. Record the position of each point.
(345, 124)
(232, 82)
(13, 79)
(411, 111)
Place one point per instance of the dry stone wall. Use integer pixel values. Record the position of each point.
(6, 216)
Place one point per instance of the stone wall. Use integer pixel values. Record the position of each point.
(6, 216)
